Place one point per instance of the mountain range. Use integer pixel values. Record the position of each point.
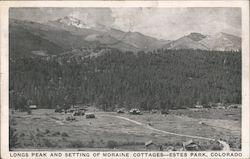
(67, 34)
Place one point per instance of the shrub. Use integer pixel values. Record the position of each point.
(216, 146)
(13, 122)
(64, 139)
(22, 135)
(166, 111)
(234, 142)
(70, 118)
(76, 144)
(178, 144)
(101, 141)
(64, 134)
(139, 143)
(91, 143)
(90, 116)
(131, 143)
(29, 112)
(47, 131)
(205, 145)
(12, 138)
(112, 144)
(48, 143)
(39, 134)
(56, 133)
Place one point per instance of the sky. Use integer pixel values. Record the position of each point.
(162, 23)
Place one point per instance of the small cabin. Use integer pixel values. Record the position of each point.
(32, 107)
(165, 111)
(153, 111)
(90, 115)
(71, 110)
(220, 107)
(151, 146)
(199, 106)
(120, 111)
(135, 111)
(191, 146)
(75, 106)
(234, 106)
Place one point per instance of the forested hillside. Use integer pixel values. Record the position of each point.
(162, 79)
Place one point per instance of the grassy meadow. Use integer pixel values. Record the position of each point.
(44, 129)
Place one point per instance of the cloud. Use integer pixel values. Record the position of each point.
(88, 15)
(93, 15)
(171, 23)
(127, 19)
(165, 23)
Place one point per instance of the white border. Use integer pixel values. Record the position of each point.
(4, 6)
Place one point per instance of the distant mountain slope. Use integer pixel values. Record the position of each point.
(222, 42)
(219, 42)
(68, 33)
(72, 28)
(111, 42)
(135, 39)
(22, 43)
(185, 43)
(94, 33)
(130, 41)
(61, 37)
(196, 36)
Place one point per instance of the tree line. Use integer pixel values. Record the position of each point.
(161, 79)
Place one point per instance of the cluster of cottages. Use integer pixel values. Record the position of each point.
(217, 106)
(74, 110)
(77, 110)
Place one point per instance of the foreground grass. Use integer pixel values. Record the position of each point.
(45, 129)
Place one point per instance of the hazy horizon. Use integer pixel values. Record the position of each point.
(161, 23)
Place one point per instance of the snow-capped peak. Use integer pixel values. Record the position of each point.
(70, 20)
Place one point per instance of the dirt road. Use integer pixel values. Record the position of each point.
(226, 147)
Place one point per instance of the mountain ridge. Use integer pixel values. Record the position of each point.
(69, 33)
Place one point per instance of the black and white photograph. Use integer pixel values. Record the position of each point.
(125, 79)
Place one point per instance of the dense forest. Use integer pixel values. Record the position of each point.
(160, 79)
